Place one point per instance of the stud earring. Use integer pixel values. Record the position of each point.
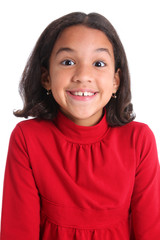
(48, 92)
(114, 95)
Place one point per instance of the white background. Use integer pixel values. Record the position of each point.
(137, 23)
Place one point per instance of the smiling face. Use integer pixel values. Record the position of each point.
(82, 74)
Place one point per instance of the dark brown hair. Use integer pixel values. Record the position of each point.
(40, 105)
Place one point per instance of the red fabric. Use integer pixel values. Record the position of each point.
(65, 182)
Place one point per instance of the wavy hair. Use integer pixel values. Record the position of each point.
(36, 103)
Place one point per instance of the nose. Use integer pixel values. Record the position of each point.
(83, 73)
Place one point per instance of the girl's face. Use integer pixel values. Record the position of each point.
(82, 74)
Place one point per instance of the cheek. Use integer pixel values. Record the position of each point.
(59, 78)
(56, 79)
(106, 82)
(58, 90)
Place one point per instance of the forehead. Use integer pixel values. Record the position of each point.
(82, 37)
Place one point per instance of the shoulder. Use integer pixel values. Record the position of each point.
(135, 125)
(135, 134)
(137, 138)
(34, 123)
(136, 128)
(33, 127)
(142, 136)
(140, 131)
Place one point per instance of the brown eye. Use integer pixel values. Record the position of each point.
(99, 64)
(68, 62)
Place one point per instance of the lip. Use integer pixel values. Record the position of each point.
(82, 90)
(82, 98)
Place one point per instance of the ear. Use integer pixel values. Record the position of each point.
(45, 78)
(116, 81)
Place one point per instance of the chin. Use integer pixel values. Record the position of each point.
(92, 117)
(83, 114)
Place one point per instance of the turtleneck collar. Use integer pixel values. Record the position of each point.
(81, 134)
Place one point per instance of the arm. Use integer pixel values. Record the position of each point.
(20, 205)
(145, 203)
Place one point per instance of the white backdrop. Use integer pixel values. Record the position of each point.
(137, 23)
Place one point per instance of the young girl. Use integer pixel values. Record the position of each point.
(82, 168)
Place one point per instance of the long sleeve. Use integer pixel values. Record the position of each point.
(20, 204)
(145, 203)
(64, 181)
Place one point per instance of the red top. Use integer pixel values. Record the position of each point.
(69, 182)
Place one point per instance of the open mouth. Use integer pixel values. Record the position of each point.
(83, 94)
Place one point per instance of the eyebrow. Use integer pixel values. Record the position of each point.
(67, 49)
(64, 49)
(103, 50)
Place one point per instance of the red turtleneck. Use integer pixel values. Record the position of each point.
(64, 181)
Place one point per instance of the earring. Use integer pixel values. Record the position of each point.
(114, 95)
(48, 92)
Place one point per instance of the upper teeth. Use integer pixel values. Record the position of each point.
(83, 93)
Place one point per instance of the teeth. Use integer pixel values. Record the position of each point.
(83, 94)
(79, 94)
